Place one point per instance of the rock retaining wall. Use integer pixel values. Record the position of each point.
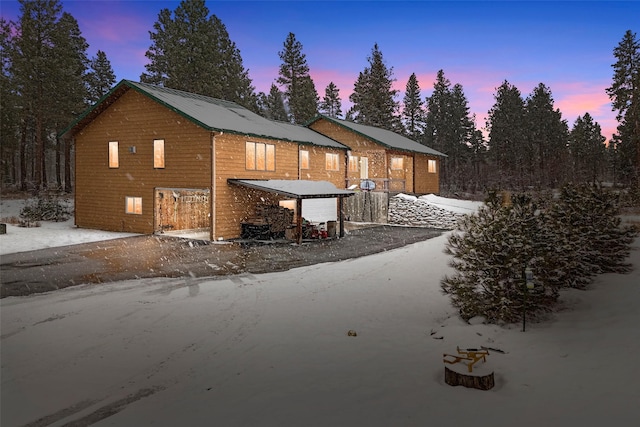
(412, 211)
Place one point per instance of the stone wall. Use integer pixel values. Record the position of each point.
(412, 211)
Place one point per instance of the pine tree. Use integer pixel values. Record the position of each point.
(192, 51)
(588, 150)
(69, 69)
(625, 96)
(413, 112)
(9, 114)
(274, 105)
(508, 147)
(47, 65)
(100, 78)
(300, 91)
(491, 250)
(547, 139)
(437, 111)
(331, 104)
(373, 97)
(565, 240)
(449, 129)
(33, 78)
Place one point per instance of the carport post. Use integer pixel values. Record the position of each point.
(340, 199)
(299, 220)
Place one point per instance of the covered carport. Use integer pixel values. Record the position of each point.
(299, 189)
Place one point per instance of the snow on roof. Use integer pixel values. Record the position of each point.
(296, 188)
(385, 137)
(215, 115)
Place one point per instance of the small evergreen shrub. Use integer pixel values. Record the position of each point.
(565, 240)
(44, 207)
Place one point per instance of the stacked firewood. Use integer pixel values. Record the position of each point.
(278, 218)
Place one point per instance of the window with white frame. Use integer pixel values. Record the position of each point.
(353, 163)
(332, 162)
(133, 205)
(397, 163)
(158, 153)
(431, 166)
(113, 155)
(304, 159)
(260, 156)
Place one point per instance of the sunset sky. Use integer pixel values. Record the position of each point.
(568, 46)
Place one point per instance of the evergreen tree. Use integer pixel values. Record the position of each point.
(437, 114)
(9, 114)
(331, 104)
(588, 150)
(70, 67)
(192, 51)
(373, 97)
(564, 240)
(449, 129)
(413, 112)
(491, 250)
(274, 105)
(300, 91)
(478, 151)
(47, 65)
(625, 96)
(547, 139)
(34, 80)
(508, 147)
(100, 78)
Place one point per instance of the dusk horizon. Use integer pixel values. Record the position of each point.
(568, 46)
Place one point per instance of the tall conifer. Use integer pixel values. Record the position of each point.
(508, 137)
(412, 112)
(373, 97)
(299, 90)
(191, 51)
(331, 104)
(624, 93)
(100, 77)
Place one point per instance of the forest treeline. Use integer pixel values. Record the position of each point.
(48, 80)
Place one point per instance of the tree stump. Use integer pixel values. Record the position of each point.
(459, 375)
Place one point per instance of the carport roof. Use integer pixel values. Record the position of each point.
(294, 188)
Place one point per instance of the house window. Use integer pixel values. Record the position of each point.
(304, 159)
(260, 156)
(133, 205)
(353, 163)
(397, 163)
(158, 153)
(432, 166)
(113, 154)
(332, 162)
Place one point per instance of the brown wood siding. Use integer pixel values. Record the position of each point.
(426, 182)
(360, 147)
(234, 203)
(401, 179)
(416, 174)
(135, 121)
(317, 165)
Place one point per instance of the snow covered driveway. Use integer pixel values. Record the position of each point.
(272, 349)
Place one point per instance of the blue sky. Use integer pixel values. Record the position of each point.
(566, 45)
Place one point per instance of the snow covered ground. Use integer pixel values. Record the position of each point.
(273, 350)
(48, 235)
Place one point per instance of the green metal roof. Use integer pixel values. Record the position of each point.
(383, 137)
(209, 113)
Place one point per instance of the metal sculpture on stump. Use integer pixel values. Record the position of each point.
(468, 358)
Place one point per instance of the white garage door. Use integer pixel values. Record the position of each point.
(320, 210)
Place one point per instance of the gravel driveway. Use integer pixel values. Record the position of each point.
(161, 256)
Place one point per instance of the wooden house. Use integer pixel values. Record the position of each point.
(151, 159)
(392, 162)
